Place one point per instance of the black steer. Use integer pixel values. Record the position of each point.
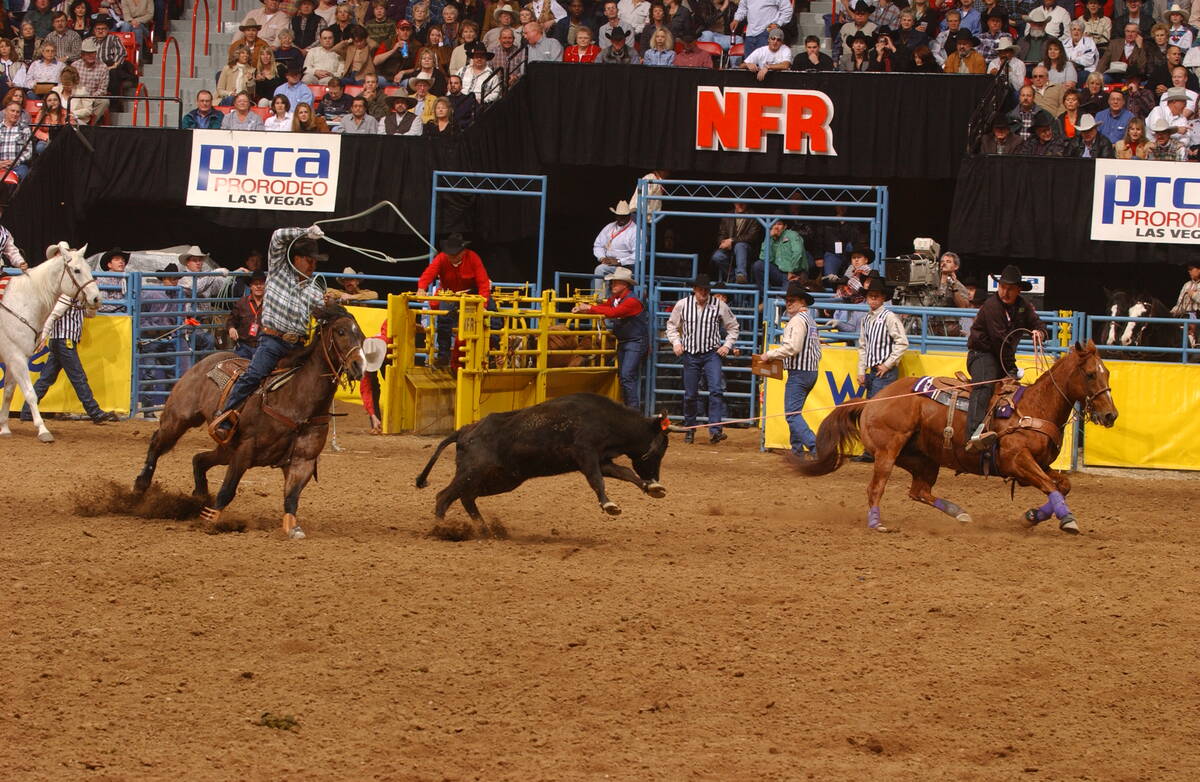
(583, 432)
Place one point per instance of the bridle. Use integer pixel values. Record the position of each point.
(62, 298)
(1088, 407)
(337, 371)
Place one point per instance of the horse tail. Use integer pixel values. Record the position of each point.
(423, 478)
(838, 432)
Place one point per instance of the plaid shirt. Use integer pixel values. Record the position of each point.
(886, 16)
(503, 61)
(289, 302)
(1172, 150)
(12, 142)
(67, 45)
(987, 44)
(1026, 119)
(93, 80)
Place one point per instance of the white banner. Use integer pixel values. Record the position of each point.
(1146, 201)
(240, 169)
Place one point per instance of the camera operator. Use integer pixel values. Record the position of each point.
(950, 293)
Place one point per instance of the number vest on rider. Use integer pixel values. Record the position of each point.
(700, 327)
(876, 339)
(809, 357)
(631, 329)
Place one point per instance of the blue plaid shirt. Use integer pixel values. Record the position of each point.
(289, 300)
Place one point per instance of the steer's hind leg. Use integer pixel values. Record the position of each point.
(623, 473)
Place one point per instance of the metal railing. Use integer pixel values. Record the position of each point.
(1187, 332)
(166, 46)
(161, 100)
(192, 59)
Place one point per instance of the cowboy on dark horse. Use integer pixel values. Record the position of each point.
(992, 348)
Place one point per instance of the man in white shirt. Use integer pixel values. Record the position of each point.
(1004, 56)
(322, 62)
(271, 18)
(1172, 110)
(760, 17)
(634, 14)
(1057, 19)
(772, 57)
(616, 244)
(477, 76)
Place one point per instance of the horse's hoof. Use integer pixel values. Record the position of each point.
(45, 437)
(295, 533)
(964, 517)
(1031, 517)
(656, 490)
(611, 508)
(883, 529)
(6, 433)
(1068, 525)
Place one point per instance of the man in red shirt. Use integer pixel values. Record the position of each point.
(458, 270)
(630, 324)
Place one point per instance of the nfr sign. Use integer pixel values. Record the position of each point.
(739, 119)
(1145, 201)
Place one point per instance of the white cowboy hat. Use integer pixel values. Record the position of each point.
(374, 350)
(1005, 44)
(1176, 9)
(55, 249)
(501, 9)
(1038, 16)
(1086, 122)
(195, 252)
(621, 209)
(1160, 125)
(1177, 93)
(621, 273)
(349, 270)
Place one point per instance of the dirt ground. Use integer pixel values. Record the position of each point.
(747, 627)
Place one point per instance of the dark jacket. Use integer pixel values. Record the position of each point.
(246, 317)
(560, 29)
(990, 146)
(464, 106)
(751, 233)
(995, 321)
(802, 63)
(192, 120)
(1035, 147)
(1101, 146)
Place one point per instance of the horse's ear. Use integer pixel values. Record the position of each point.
(1091, 345)
(1078, 347)
(83, 252)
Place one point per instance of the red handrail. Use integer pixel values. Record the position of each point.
(195, 10)
(162, 107)
(141, 90)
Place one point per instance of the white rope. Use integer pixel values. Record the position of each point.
(377, 255)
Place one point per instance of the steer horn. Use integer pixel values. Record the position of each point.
(675, 428)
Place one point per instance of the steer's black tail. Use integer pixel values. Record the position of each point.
(423, 478)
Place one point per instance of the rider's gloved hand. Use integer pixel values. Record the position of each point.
(314, 232)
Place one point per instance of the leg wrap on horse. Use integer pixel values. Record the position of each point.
(873, 519)
(947, 507)
(1058, 503)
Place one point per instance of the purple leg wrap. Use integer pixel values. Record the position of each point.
(940, 504)
(1059, 503)
(1046, 511)
(873, 517)
(947, 507)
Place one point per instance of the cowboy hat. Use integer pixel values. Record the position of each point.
(106, 259)
(258, 276)
(797, 291)
(1038, 16)
(874, 284)
(865, 252)
(1086, 122)
(250, 25)
(1117, 67)
(620, 274)
(392, 100)
(1160, 125)
(194, 252)
(966, 35)
(702, 281)
(89, 45)
(349, 270)
(996, 13)
(103, 19)
(1042, 120)
(1005, 44)
(859, 35)
(861, 8)
(1176, 8)
(1012, 276)
(477, 49)
(1177, 93)
(502, 9)
(621, 209)
(454, 244)
(55, 249)
(374, 351)
(170, 270)
(617, 34)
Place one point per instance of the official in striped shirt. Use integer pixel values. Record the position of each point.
(64, 356)
(800, 349)
(881, 344)
(695, 333)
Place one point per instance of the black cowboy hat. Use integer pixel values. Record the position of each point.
(170, 270)
(861, 8)
(966, 35)
(1042, 120)
(981, 295)
(702, 281)
(454, 244)
(859, 36)
(874, 284)
(104, 19)
(1012, 276)
(392, 100)
(258, 276)
(884, 30)
(797, 291)
(108, 256)
(477, 49)
(617, 34)
(1001, 121)
(866, 252)
(687, 36)
(996, 13)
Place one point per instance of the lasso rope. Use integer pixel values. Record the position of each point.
(377, 255)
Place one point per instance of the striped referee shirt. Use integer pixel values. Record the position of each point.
(698, 328)
(881, 340)
(800, 346)
(69, 326)
(289, 301)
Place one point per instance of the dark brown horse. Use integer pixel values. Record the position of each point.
(283, 428)
(903, 428)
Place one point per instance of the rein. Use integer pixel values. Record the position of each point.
(1043, 363)
(61, 299)
(337, 375)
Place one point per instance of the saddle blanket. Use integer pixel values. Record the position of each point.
(925, 387)
(225, 372)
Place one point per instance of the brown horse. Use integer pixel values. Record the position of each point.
(903, 428)
(283, 428)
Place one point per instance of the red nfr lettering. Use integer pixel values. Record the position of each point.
(762, 117)
(718, 119)
(807, 130)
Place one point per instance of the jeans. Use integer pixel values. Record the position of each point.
(741, 259)
(63, 357)
(981, 366)
(630, 355)
(711, 37)
(754, 42)
(266, 357)
(446, 324)
(795, 393)
(156, 367)
(244, 350)
(778, 278)
(877, 382)
(708, 363)
(834, 263)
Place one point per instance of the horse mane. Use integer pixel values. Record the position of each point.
(325, 315)
(40, 280)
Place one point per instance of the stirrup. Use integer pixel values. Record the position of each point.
(223, 437)
(981, 443)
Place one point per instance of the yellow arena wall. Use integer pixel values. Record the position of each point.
(106, 352)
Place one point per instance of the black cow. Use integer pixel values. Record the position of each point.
(583, 432)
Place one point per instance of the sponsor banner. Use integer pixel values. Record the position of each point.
(1146, 201)
(238, 169)
(106, 352)
(837, 383)
(1156, 428)
(739, 119)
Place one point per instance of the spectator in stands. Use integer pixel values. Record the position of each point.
(340, 29)
(689, 56)
(662, 49)
(400, 121)
(250, 40)
(269, 74)
(15, 149)
(965, 59)
(93, 84)
(1080, 50)
(477, 78)
(377, 105)
(761, 17)
(426, 69)
(296, 91)
(1032, 47)
(546, 13)
(442, 124)
(1178, 32)
(1174, 112)
(566, 28)
(281, 115)
(138, 15)
(658, 21)
(285, 55)
(788, 258)
(66, 41)
(1114, 120)
(1092, 98)
(618, 52)
(237, 76)
(204, 116)
(305, 120)
(1128, 53)
(160, 323)
(245, 318)
(616, 244)
(887, 14)
(359, 122)
(1160, 79)
(538, 46)
(679, 18)
(856, 59)
(694, 330)
(443, 52)
(907, 37)
(634, 15)
(336, 103)
(12, 69)
(860, 22)
(79, 16)
(1059, 69)
(1089, 142)
(944, 43)
(505, 52)
(305, 25)
(611, 19)
(995, 28)
(1096, 25)
(1179, 81)
(1048, 96)
(812, 58)
(1043, 142)
(352, 289)
(1057, 18)
(1139, 100)
(42, 75)
(419, 13)
(241, 118)
(923, 61)
(1026, 113)
(270, 21)
(505, 17)
(419, 90)
(322, 62)
(462, 104)
(1134, 15)
(969, 17)
(40, 16)
(357, 55)
(1065, 123)
(886, 57)
(583, 50)
(1005, 49)
(847, 321)
(326, 9)
(1166, 145)
(381, 30)
(736, 239)
(1002, 140)
(401, 56)
(52, 116)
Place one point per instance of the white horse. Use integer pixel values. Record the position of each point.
(31, 305)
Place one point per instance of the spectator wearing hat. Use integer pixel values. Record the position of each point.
(812, 58)
(1113, 121)
(399, 57)
(114, 289)
(630, 324)
(418, 90)
(788, 259)
(1180, 86)
(1001, 141)
(1178, 31)
(1124, 54)
(1174, 110)
(760, 18)
(860, 15)
(800, 350)
(294, 89)
(702, 330)
(1188, 303)
(995, 27)
(689, 56)
(774, 56)
(618, 51)
(400, 120)
(245, 318)
(270, 20)
(857, 58)
(305, 26)
(1043, 142)
(1139, 100)
(249, 39)
(992, 347)
(583, 50)
(87, 102)
(476, 75)
(1005, 49)
(503, 16)
(846, 321)
(1089, 142)
(736, 239)
(881, 344)
(198, 288)
(616, 244)
(1032, 46)
(352, 289)
(457, 270)
(1165, 144)
(886, 57)
(965, 59)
